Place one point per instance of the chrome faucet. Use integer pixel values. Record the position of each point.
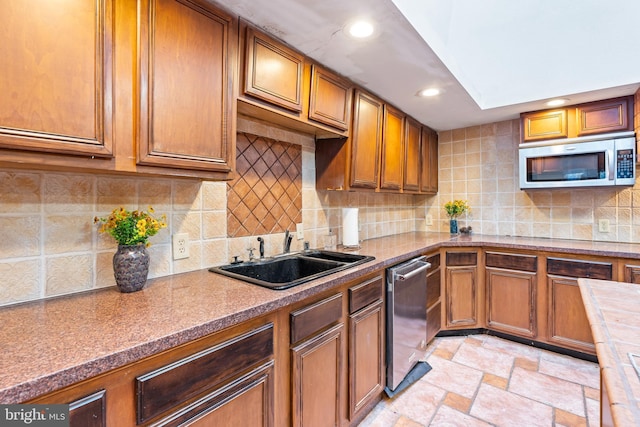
(261, 240)
(287, 242)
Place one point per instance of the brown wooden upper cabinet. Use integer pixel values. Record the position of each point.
(429, 158)
(273, 72)
(605, 116)
(186, 68)
(57, 77)
(412, 156)
(542, 125)
(366, 138)
(392, 153)
(330, 98)
(608, 115)
(387, 151)
(142, 87)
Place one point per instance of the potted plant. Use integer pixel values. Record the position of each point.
(131, 229)
(454, 209)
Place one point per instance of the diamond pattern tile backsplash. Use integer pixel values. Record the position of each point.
(266, 197)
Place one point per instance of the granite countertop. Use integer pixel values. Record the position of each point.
(612, 309)
(49, 344)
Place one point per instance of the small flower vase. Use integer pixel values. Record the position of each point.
(131, 267)
(453, 226)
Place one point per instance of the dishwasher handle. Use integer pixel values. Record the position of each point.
(422, 267)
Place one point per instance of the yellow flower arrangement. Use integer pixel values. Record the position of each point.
(456, 208)
(131, 227)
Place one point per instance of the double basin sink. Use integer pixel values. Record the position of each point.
(286, 271)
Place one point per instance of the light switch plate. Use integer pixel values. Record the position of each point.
(429, 220)
(180, 246)
(299, 231)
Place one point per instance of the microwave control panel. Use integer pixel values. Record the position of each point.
(625, 164)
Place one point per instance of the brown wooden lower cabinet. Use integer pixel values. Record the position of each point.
(567, 318)
(568, 325)
(316, 378)
(511, 301)
(366, 357)
(461, 290)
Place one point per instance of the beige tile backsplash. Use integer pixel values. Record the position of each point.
(479, 164)
(50, 245)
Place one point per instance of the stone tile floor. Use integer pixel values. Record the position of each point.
(481, 380)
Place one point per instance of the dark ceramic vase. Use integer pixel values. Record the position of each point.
(131, 267)
(453, 226)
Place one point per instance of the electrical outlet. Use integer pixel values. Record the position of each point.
(603, 225)
(429, 220)
(180, 246)
(299, 231)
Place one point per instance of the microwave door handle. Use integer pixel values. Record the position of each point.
(609, 162)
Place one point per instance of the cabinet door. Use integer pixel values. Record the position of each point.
(544, 125)
(604, 116)
(88, 411)
(568, 322)
(429, 155)
(330, 99)
(366, 140)
(187, 63)
(273, 72)
(632, 273)
(511, 297)
(392, 149)
(366, 357)
(461, 296)
(316, 380)
(56, 80)
(412, 158)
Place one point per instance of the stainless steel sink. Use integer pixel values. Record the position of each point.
(287, 271)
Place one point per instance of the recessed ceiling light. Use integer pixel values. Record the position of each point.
(360, 29)
(557, 102)
(429, 92)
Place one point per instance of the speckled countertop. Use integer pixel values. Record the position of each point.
(613, 308)
(49, 344)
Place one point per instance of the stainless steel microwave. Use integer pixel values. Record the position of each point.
(603, 160)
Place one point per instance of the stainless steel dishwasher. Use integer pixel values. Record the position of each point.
(406, 321)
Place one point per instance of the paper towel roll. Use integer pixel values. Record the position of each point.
(350, 227)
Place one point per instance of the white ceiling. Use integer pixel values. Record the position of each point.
(493, 59)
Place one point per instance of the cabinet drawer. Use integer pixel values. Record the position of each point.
(364, 294)
(173, 384)
(312, 318)
(512, 262)
(577, 268)
(461, 258)
(88, 411)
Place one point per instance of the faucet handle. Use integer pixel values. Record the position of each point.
(251, 253)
